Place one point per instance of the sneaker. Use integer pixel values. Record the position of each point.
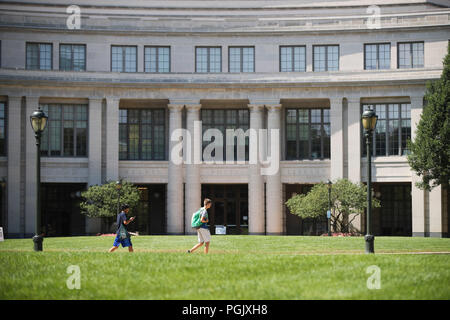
(189, 251)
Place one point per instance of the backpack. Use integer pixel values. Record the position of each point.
(123, 233)
(196, 220)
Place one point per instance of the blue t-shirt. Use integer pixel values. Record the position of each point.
(204, 216)
(121, 218)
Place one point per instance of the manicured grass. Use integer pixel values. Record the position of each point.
(238, 267)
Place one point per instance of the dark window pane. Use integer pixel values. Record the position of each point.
(72, 57)
(303, 141)
(123, 141)
(32, 56)
(123, 59)
(384, 56)
(81, 141)
(326, 141)
(371, 56)
(2, 128)
(315, 141)
(241, 59)
(319, 56)
(65, 57)
(45, 56)
(39, 56)
(141, 135)
(157, 59)
(410, 55)
(393, 129)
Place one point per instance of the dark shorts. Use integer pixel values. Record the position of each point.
(125, 242)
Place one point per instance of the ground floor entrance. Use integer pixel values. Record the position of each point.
(394, 217)
(2, 205)
(151, 211)
(60, 205)
(230, 207)
(298, 226)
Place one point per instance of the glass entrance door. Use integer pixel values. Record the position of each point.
(230, 207)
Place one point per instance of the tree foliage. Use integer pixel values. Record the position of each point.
(430, 151)
(348, 200)
(102, 200)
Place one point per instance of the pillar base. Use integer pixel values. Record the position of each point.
(38, 242)
(369, 239)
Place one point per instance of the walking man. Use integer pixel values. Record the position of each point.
(122, 221)
(204, 236)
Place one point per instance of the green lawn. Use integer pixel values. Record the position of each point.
(238, 267)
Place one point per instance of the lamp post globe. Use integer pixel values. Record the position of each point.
(38, 120)
(369, 122)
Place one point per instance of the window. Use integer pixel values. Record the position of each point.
(326, 58)
(208, 59)
(66, 132)
(123, 58)
(410, 55)
(377, 56)
(2, 128)
(39, 56)
(292, 58)
(393, 129)
(157, 59)
(72, 57)
(307, 134)
(241, 59)
(142, 134)
(222, 120)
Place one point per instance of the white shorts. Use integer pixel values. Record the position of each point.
(203, 235)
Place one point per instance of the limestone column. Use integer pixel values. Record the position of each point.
(417, 195)
(14, 167)
(354, 139)
(32, 103)
(95, 141)
(435, 212)
(255, 179)
(112, 139)
(95, 155)
(193, 190)
(274, 194)
(336, 139)
(175, 224)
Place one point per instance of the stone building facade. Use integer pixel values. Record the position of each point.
(118, 80)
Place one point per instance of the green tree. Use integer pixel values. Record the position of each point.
(102, 200)
(430, 151)
(348, 200)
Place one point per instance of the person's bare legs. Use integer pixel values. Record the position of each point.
(206, 247)
(130, 249)
(113, 249)
(198, 245)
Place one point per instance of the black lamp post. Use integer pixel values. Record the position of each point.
(329, 184)
(118, 187)
(369, 121)
(38, 121)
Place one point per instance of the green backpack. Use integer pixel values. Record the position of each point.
(196, 220)
(123, 233)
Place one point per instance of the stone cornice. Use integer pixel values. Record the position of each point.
(54, 78)
(220, 18)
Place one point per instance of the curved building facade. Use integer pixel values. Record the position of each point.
(145, 91)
